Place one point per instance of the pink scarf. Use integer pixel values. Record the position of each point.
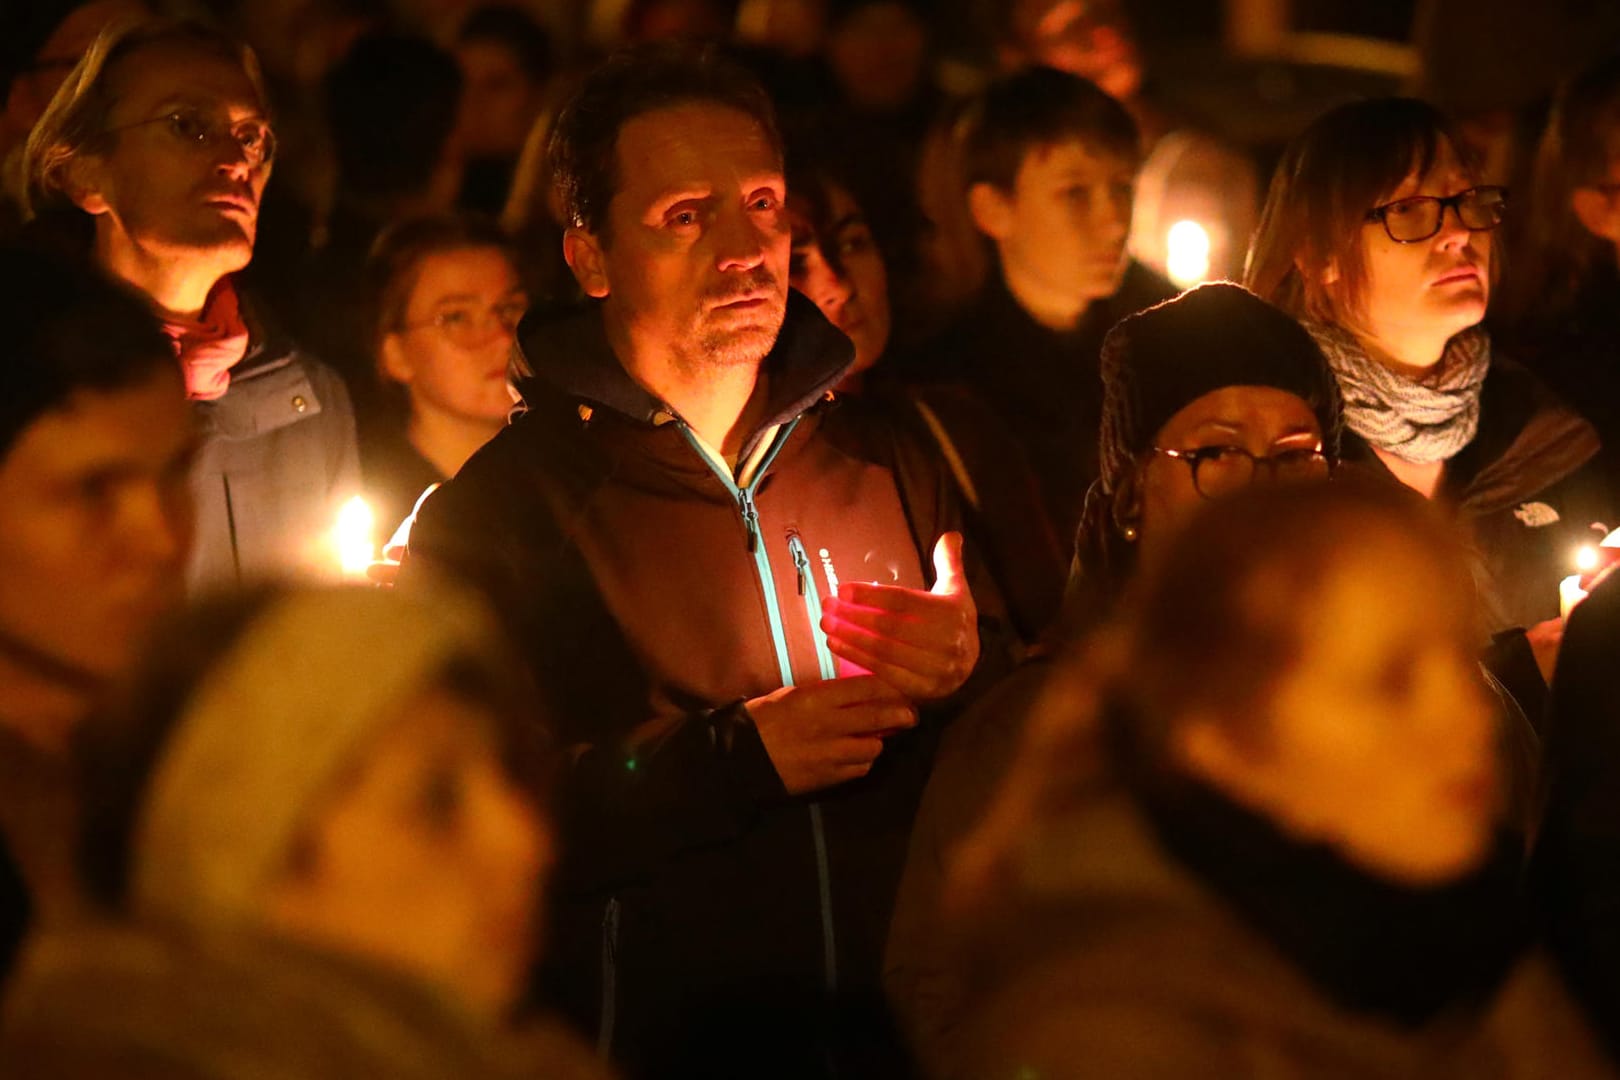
(208, 348)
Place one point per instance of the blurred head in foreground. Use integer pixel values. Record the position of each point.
(1308, 653)
(333, 768)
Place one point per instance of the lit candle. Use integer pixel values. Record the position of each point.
(1570, 593)
(1591, 562)
(1187, 253)
(354, 537)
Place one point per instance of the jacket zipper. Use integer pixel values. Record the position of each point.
(812, 602)
(829, 670)
(610, 977)
(773, 611)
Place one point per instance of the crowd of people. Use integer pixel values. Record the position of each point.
(729, 556)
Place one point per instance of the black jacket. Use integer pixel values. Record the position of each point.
(1525, 492)
(1045, 387)
(1577, 860)
(702, 915)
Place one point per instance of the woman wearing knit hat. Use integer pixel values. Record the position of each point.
(1203, 395)
(304, 828)
(1379, 235)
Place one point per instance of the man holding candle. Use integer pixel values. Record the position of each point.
(662, 530)
(151, 160)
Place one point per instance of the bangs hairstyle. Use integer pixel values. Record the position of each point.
(75, 123)
(1345, 164)
(584, 147)
(396, 257)
(1034, 109)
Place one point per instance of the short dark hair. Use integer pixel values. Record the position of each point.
(1035, 108)
(68, 328)
(391, 104)
(584, 149)
(514, 29)
(1342, 165)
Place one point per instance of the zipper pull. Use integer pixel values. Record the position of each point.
(750, 518)
(801, 561)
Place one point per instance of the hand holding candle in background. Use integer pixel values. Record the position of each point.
(924, 644)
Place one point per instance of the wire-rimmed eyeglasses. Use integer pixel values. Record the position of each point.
(1410, 221)
(195, 127)
(1218, 471)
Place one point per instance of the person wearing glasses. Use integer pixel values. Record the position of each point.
(1203, 396)
(446, 297)
(1377, 235)
(151, 162)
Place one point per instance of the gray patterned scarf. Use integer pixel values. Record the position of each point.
(1423, 420)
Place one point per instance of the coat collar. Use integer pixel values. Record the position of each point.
(570, 354)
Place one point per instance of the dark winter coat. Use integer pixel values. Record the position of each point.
(1044, 386)
(704, 918)
(1115, 959)
(1525, 492)
(1577, 861)
(278, 459)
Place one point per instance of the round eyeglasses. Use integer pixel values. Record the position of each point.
(1218, 471)
(1410, 221)
(466, 327)
(194, 127)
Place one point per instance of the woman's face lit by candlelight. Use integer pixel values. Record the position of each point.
(425, 858)
(1418, 295)
(460, 320)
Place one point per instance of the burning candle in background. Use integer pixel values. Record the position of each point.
(354, 537)
(1187, 253)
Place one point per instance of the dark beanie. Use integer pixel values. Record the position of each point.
(1158, 361)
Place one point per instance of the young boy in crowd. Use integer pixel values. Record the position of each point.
(1047, 169)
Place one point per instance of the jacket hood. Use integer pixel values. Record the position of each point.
(570, 353)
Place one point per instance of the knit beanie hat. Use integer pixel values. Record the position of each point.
(1158, 361)
(276, 720)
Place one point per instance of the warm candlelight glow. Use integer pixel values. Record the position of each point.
(1586, 559)
(1187, 253)
(354, 536)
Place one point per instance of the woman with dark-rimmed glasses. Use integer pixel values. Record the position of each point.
(1378, 235)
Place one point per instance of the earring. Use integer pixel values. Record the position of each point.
(1130, 534)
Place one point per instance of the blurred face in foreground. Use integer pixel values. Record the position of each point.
(1377, 740)
(96, 523)
(425, 859)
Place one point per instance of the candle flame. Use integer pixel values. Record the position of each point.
(1187, 253)
(353, 536)
(1586, 559)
